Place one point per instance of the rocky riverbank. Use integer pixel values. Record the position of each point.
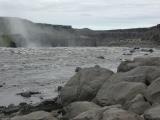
(96, 93)
(33, 74)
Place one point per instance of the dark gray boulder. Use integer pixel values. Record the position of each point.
(153, 74)
(152, 113)
(75, 108)
(135, 75)
(120, 114)
(108, 113)
(28, 94)
(146, 61)
(84, 85)
(153, 91)
(39, 115)
(118, 92)
(144, 74)
(137, 105)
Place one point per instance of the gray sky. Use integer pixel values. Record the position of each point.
(94, 14)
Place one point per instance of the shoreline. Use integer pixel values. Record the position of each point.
(44, 69)
(127, 92)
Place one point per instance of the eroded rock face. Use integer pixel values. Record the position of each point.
(153, 92)
(75, 108)
(118, 92)
(108, 113)
(128, 65)
(84, 85)
(152, 113)
(39, 115)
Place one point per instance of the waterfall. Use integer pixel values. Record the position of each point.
(20, 27)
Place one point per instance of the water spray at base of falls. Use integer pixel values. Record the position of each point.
(20, 27)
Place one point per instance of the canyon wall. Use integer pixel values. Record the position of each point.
(16, 32)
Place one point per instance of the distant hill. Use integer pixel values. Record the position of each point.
(17, 32)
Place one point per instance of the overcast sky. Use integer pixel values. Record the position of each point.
(94, 14)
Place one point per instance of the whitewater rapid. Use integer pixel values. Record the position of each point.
(44, 69)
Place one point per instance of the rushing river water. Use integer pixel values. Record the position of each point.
(43, 69)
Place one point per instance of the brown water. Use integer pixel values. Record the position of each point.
(43, 69)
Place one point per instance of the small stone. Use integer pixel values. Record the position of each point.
(28, 94)
(101, 57)
(77, 69)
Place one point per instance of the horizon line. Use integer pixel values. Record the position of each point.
(83, 26)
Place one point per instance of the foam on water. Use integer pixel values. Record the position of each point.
(43, 69)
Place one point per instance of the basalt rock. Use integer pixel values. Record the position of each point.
(153, 92)
(144, 74)
(137, 105)
(118, 92)
(75, 108)
(84, 85)
(146, 61)
(108, 113)
(153, 113)
(39, 115)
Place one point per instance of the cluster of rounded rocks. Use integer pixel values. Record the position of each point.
(133, 93)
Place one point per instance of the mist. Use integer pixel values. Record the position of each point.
(20, 27)
(31, 35)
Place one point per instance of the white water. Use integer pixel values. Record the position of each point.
(20, 27)
(43, 69)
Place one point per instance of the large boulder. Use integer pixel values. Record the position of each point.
(120, 114)
(152, 113)
(153, 91)
(108, 113)
(75, 108)
(137, 105)
(142, 61)
(136, 75)
(95, 114)
(84, 85)
(118, 92)
(144, 74)
(39, 115)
